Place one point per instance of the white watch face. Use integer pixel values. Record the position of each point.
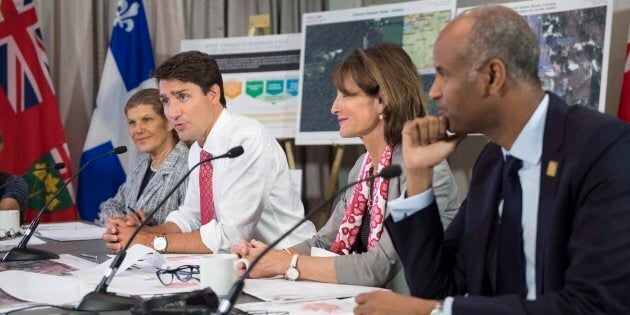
(159, 243)
(293, 274)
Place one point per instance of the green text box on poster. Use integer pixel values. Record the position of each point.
(254, 88)
(275, 87)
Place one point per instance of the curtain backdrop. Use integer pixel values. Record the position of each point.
(77, 32)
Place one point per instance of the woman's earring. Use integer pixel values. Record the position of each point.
(380, 116)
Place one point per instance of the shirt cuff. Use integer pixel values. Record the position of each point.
(447, 306)
(402, 207)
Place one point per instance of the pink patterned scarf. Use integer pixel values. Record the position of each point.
(348, 235)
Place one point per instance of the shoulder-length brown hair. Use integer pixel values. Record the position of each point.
(385, 70)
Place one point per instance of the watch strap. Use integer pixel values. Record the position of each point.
(293, 273)
(294, 260)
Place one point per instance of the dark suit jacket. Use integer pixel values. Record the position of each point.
(583, 234)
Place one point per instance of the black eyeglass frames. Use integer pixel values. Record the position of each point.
(182, 273)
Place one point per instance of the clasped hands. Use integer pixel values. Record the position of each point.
(119, 229)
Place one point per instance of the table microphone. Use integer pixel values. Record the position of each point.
(57, 166)
(21, 252)
(100, 299)
(228, 302)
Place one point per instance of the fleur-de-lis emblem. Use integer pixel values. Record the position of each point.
(125, 14)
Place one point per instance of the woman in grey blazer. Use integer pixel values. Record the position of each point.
(378, 91)
(164, 160)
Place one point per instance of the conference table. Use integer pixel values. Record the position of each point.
(87, 249)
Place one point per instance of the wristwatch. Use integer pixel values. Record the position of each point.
(438, 309)
(160, 243)
(292, 273)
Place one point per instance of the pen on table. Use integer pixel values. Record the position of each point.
(89, 256)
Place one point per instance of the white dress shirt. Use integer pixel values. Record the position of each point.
(254, 196)
(528, 148)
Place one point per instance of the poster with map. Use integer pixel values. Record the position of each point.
(330, 36)
(260, 77)
(574, 38)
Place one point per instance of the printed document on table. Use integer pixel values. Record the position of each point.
(328, 307)
(135, 277)
(70, 231)
(284, 290)
(134, 254)
(40, 288)
(57, 267)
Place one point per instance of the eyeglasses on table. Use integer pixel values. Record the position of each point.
(182, 273)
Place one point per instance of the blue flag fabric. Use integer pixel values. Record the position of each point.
(128, 68)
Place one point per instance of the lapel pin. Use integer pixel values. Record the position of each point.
(552, 168)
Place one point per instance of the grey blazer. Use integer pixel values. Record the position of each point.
(380, 266)
(170, 172)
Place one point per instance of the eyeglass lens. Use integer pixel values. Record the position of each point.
(183, 273)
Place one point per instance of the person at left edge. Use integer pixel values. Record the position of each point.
(14, 194)
(251, 196)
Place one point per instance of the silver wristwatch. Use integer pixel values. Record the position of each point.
(160, 243)
(292, 273)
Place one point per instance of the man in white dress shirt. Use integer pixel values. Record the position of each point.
(227, 200)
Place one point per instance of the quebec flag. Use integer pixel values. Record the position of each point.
(128, 67)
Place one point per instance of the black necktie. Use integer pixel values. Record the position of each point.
(510, 256)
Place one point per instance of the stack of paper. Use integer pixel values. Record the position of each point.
(285, 290)
(52, 284)
(70, 231)
(328, 307)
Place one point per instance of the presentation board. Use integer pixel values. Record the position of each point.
(332, 35)
(574, 38)
(260, 77)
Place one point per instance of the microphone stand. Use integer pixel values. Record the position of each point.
(21, 252)
(100, 299)
(230, 299)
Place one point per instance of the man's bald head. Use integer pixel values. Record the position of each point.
(496, 31)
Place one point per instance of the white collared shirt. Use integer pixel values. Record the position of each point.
(254, 196)
(528, 148)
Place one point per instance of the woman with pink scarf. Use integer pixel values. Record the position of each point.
(378, 90)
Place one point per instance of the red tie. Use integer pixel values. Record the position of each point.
(205, 189)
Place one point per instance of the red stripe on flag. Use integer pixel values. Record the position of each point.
(624, 102)
(30, 134)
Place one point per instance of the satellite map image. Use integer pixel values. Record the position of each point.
(327, 44)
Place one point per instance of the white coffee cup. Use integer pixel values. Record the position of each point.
(10, 219)
(218, 271)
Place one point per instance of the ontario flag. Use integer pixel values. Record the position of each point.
(624, 102)
(29, 116)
